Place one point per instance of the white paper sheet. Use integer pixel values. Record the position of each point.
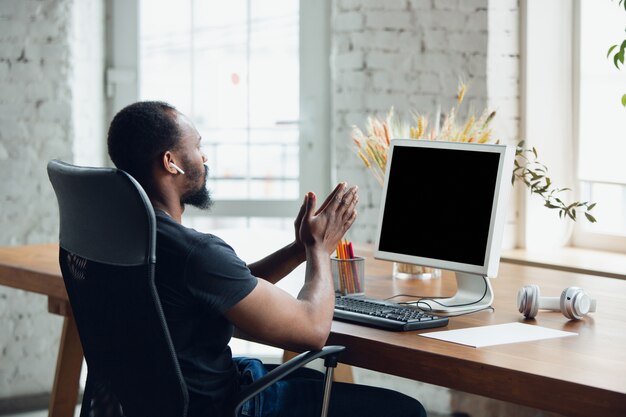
(497, 334)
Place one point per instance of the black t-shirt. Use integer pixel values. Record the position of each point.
(198, 278)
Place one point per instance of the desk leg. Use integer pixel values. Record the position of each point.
(67, 376)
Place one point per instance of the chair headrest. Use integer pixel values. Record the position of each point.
(105, 215)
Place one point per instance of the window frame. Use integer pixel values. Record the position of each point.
(553, 23)
(580, 237)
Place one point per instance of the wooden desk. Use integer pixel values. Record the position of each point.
(578, 376)
(36, 269)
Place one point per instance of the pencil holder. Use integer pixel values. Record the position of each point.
(348, 275)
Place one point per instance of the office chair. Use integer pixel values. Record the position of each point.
(107, 258)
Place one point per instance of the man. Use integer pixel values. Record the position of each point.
(205, 289)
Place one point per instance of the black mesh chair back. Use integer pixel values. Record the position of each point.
(107, 258)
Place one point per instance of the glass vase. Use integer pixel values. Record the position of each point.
(403, 270)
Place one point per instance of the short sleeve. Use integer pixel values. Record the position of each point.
(216, 275)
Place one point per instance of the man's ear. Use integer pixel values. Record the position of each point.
(167, 162)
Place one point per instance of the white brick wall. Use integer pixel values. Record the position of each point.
(51, 54)
(406, 54)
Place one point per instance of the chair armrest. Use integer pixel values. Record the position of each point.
(276, 374)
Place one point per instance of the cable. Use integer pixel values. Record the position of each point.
(408, 295)
(423, 300)
(468, 312)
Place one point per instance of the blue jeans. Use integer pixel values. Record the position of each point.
(300, 395)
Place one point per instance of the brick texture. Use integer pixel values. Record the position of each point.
(49, 51)
(411, 55)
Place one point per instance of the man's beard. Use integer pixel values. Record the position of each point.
(200, 198)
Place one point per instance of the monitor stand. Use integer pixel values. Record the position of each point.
(473, 293)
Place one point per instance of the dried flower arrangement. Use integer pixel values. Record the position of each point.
(373, 144)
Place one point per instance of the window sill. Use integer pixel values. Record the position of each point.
(570, 259)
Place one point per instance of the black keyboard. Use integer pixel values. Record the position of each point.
(384, 314)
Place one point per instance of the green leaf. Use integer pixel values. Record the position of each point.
(590, 218)
(611, 50)
(617, 59)
(535, 150)
(624, 100)
(591, 206)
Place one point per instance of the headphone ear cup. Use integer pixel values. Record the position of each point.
(575, 303)
(528, 301)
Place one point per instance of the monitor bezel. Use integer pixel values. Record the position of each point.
(489, 268)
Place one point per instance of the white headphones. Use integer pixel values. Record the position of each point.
(574, 302)
(177, 168)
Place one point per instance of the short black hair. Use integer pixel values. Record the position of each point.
(139, 134)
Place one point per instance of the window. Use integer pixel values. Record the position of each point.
(254, 78)
(601, 124)
(242, 71)
(571, 110)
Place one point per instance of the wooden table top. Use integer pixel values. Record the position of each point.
(33, 268)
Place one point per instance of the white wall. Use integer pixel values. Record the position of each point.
(503, 68)
(411, 55)
(51, 55)
(548, 112)
(88, 83)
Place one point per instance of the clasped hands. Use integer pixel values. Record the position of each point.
(323, 228)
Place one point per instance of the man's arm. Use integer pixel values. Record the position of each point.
(271, 314)
(279, 264)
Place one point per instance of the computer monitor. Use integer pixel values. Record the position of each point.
(443, 205)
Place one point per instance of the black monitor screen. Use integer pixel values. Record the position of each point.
(438, 203)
